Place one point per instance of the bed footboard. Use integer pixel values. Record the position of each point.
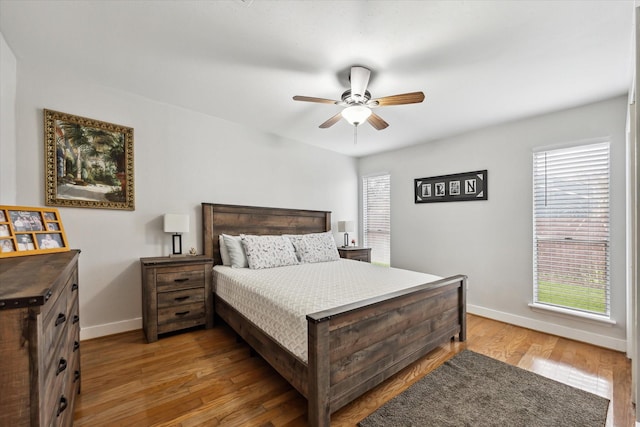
(355, 347)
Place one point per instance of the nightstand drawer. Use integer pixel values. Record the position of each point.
(355, 253)
(360, 257)
(183, 278)
(180, 317)
(175, 298)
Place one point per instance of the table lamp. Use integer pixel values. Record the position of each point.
(177, 224)
(346, 227)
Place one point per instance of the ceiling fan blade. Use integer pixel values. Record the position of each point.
(312, 99)
(359, 80)
(377, 122)
(405, 98)
(332, 121)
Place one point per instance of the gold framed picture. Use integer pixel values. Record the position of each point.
(29, 231)
(88, 163)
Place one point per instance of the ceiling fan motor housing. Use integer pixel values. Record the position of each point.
(355, 99)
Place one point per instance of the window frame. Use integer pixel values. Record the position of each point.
(603, 234)
(376, 257)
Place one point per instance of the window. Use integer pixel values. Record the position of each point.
(376, 217)
(571, 228)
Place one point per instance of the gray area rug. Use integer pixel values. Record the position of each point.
(471, 389)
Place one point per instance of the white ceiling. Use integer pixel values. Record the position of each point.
(478, 62)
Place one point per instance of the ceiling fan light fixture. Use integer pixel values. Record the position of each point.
(356, 114)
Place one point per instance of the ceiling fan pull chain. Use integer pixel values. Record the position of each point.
(355, 135)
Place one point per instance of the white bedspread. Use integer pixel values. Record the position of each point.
(278, 299)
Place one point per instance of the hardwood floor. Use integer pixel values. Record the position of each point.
(206, 378)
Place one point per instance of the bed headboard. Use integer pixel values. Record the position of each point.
(231, 219)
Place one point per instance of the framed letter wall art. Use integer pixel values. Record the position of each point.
(452, 188)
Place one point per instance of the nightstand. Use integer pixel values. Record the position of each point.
(176, 294)
(355, 253)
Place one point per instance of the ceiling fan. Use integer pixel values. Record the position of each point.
(358, 102)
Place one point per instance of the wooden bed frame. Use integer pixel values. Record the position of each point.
(352, 348)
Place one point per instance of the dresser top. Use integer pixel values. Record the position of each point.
(28, 280)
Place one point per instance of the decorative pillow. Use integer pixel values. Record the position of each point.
(224, 252)
(237, 257)
(295, 241)
(317, 247)
(268, 251)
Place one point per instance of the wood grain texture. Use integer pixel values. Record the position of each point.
(209, 378)
(326, 384)
(39, 344)
(176, 294)
(234, 220)
(21, 284)
(358, 254)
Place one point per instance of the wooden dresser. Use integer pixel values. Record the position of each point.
(39, 339)
(176, 294)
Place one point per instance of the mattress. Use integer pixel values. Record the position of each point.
(278, 299)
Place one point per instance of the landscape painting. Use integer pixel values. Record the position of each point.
(89, 163)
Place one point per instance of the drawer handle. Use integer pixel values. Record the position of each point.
(75, 320)
(61, 319)
(74, 287)
(76, 345)
(184, 279)
(62, 405)
(182, 298)
(62, 365)
(182, 313)
(76, 376)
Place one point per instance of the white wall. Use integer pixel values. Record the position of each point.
(182, 158)
(8, 66)
(491, 241)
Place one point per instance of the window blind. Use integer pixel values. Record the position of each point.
(571, 228)
(376, 195)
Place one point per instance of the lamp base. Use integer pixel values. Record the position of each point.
(346, 240)
(177, 245)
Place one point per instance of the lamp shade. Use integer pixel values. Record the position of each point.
(346, 226)
(356, 114)
(176, 223)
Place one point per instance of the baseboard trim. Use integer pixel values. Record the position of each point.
(551, 328)
(98, 331)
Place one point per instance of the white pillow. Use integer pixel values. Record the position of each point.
(295, 240)
(316, 247)
(237, 257)
(224, 252)
(268, 251)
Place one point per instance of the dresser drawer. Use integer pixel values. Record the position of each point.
(72, 389)
(73, 334)
(55, 324)
(56, 379)
(62, 413)
(61, 378)
(184, 278)
(72, 288)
